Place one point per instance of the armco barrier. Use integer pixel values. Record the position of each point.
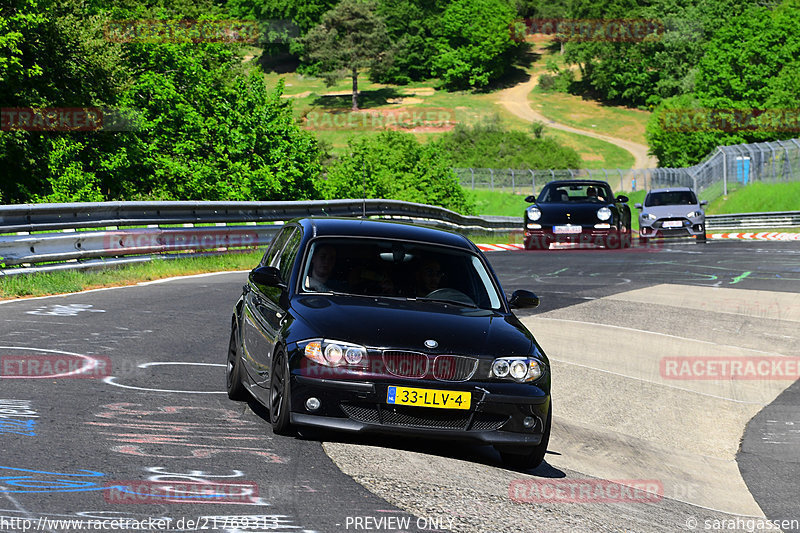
(38, 237)
(786, 219)
(87, 235)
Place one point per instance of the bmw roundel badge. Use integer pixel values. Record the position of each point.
(430, 343)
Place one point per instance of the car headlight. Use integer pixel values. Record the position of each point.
(335, 353)
(604, 213)
(534, 213)
(520, 369)
(695, 214)
(648, 216)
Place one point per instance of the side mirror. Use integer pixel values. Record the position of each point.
(530, 199)
(637, 206)
(622, 198)
(268, 276)
(704, 202)
(522, 299)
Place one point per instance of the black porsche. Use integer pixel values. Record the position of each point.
(578, 211)
(368, 326)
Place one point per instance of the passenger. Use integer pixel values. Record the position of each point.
(322, 264)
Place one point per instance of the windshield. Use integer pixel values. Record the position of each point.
(576, 193)
(388, 268)
(670, 198)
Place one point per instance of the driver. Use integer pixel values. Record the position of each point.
(429, 277)
(322, 264)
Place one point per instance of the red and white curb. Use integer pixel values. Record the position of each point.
(764, 236)
(499, 247)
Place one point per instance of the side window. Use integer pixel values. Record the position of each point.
(276, 246)
(287, 257)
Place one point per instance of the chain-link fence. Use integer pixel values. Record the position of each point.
(725, 169)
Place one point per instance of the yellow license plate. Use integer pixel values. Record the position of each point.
(442, 399)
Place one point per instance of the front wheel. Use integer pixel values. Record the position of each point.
(279, 394)
(233, 373)
(529, 457)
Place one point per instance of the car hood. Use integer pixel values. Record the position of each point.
(407, 324)
(579, 213)
(671, 211)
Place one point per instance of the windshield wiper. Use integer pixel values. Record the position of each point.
(449, 301)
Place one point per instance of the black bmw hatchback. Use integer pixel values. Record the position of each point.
(368, 326)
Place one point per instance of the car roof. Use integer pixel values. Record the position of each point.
(558, 183)
(363, 227)
(670, 189)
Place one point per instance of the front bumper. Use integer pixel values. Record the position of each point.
(496, 415)
(687, 228)
(545, 235)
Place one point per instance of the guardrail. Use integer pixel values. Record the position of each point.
(88, 235)
(785, 219)
(41, 237)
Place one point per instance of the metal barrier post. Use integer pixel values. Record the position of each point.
(724, 172)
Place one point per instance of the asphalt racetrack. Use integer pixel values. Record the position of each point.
(108, 398)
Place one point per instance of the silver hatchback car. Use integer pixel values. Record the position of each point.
(673, 212)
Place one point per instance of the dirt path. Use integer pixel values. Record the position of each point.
(515, 100)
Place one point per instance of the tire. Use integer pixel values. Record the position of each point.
(643, 240)
(279, 399)
(233, 373)
(529, 457)
(701, 238)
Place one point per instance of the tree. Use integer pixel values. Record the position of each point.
(51, 56)
(209, 132)
(489, 145)
(751, 65)
(643, 71)
(393, 165)
(205, 130)
(474, 44)
(351, 37)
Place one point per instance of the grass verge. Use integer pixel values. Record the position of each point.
(43, 284)
(757, 198)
